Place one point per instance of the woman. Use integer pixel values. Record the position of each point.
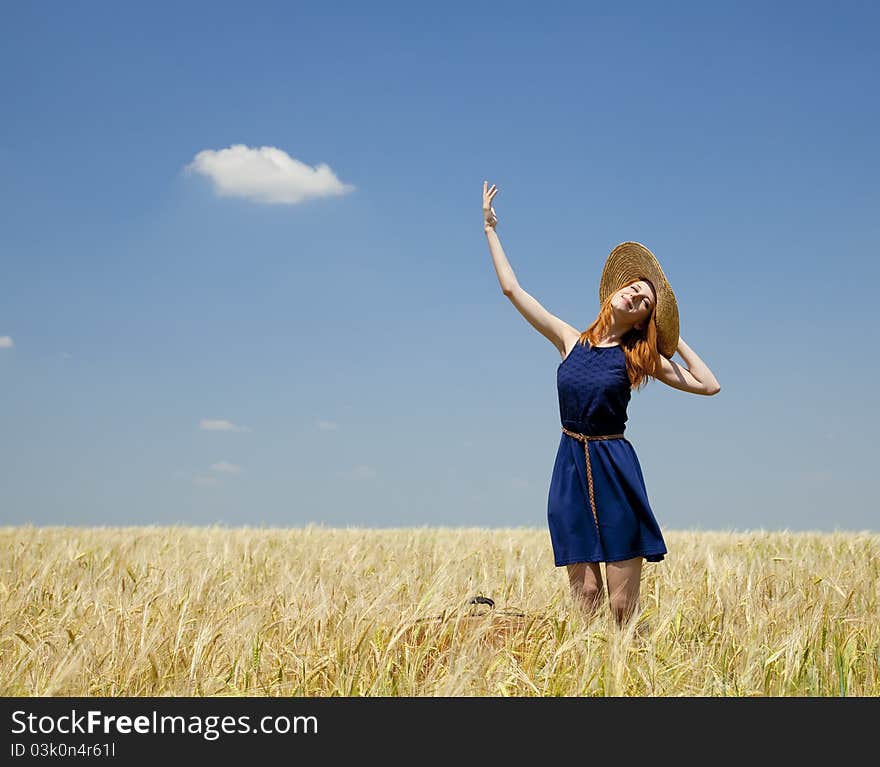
(597, 507)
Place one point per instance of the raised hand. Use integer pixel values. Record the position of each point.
(489, 217)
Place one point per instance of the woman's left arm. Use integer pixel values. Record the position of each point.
(696, 378)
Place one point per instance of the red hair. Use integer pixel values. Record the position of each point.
(639, 346)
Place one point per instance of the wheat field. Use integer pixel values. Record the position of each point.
(315, 611)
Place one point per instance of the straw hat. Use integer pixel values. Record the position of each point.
(633, 261)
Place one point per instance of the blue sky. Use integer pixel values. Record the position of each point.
(172, 354)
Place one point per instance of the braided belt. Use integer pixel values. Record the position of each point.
(586, 439)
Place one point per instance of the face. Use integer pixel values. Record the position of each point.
(635, 301)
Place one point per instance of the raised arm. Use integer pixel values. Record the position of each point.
(695, 379)
(548, 325)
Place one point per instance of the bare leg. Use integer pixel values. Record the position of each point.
(585, 579)
(624, 581)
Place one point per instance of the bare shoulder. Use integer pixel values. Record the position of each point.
(569, 339)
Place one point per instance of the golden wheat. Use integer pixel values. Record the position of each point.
(314, 611)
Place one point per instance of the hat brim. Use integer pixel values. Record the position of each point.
(632, 261)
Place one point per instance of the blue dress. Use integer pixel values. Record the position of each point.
(597, 506)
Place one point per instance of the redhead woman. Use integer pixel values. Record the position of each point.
(597, 506)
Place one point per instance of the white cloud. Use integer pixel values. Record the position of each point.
(66, 355)
(6, 342)
(225, 466)
(265, 174)
(328, 426)
(219, 424)
(205, 481)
